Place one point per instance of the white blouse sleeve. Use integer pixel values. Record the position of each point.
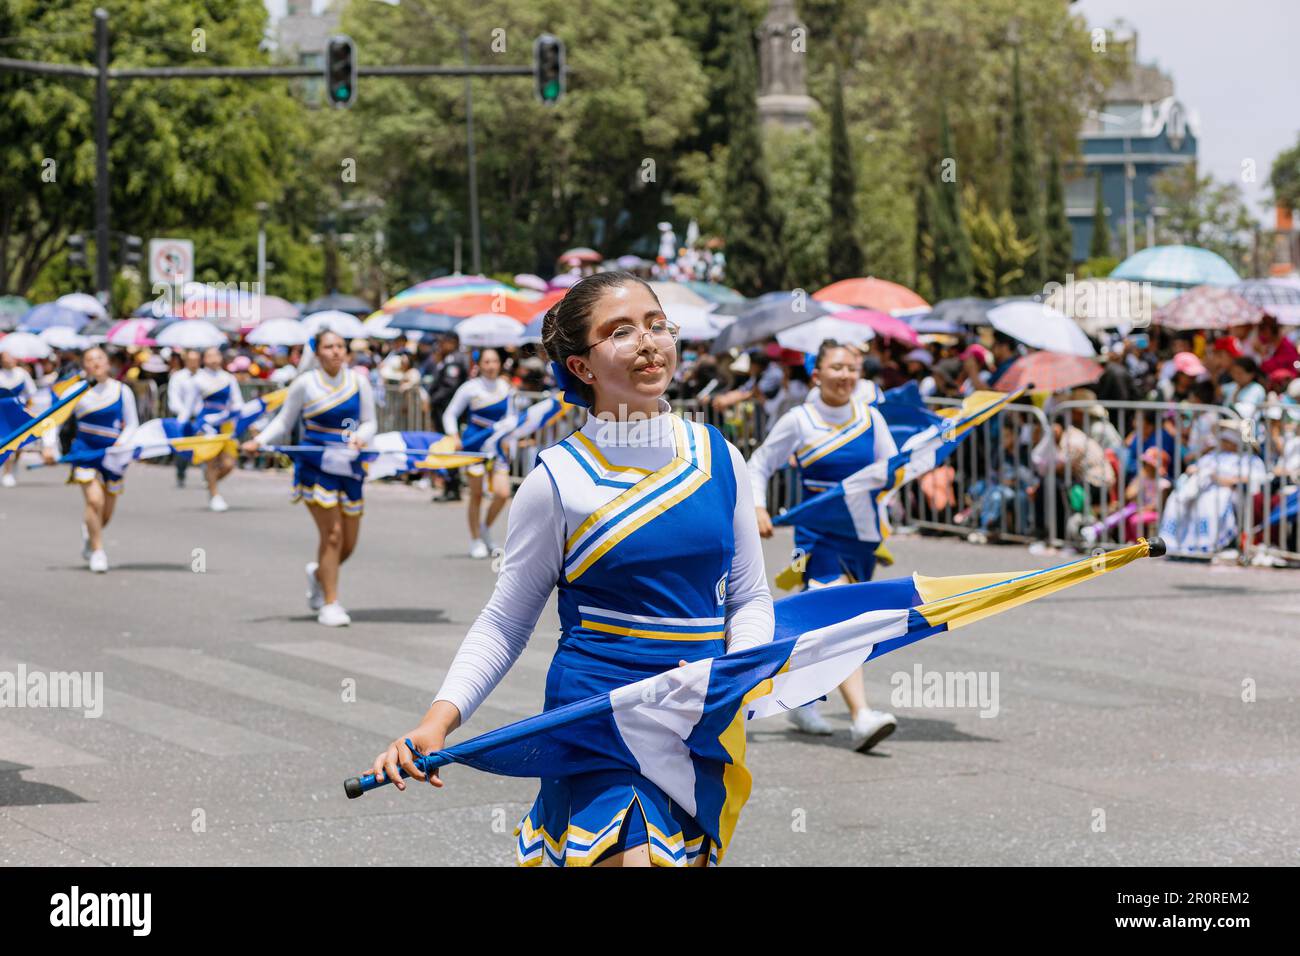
(534, 555)
(284, 421)
(451, 416)
(369, 423)
(886, 448)
(771, 456)
(750, 619)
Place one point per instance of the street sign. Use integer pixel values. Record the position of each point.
(171, 260)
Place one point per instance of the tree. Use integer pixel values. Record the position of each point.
(1198, 211)
(755, 257)
(1000, 255)
(951, 265)
(1023, 192)
(1285, 178)
(1099, 248)
(846, 260)
(1058, 238)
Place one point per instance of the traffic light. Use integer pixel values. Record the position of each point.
(131, 250)
(76, 251)
(341, 70)
(548, 68)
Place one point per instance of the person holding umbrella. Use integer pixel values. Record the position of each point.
(336, 407)
(214, 391)
(16, 385)
(830, 437)
(105, 413)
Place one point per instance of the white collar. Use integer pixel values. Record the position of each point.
(636, 432)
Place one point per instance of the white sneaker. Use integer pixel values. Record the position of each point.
(807, 720)
(478, 549)
(486, 538)
(333, 615)
(99, 561)
(315, 596)
(85, 543)
(218, 504)
(870, 727)
(8, 481)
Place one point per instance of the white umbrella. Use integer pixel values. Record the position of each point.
(377, 327)
(279, 332)
(674, 293)
(1042, 327)
(195, 334)
(130, 332)
(344, 323)
(25, 345)
(808, 337)
(696, 324)
(1102, 304)
(489, 330)
(63, 338)
(83, 303)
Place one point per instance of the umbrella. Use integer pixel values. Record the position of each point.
(12, 308)
(809, 336)
(696, 324)
(714, 292)
(1279, 297)
(968, 310)
(464, 296)
(81, 302)
(344, 323)
(925, 323)
(131, 332)
(565, 281)
(154, 309)
(532, 332)
(417, 320)
(24, 346)
(872, 293)
(886, 326)
(50, 314)
(1049, 372)
(490, 329)
(526, 280)
(190, 335)
(677, 293)
(1101, 304)
(337, 301)
(769, 314)
(64, 339)
(97, 329)
(234, 308)
(1184, 266)
(580, 254)
(377, 327)
(1207, 307)
(284, 332)
(1040, 326)
(629, 262)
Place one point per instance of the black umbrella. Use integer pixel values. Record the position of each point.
(768, 315)
(970, 310)
(340, 302)
(417, 320)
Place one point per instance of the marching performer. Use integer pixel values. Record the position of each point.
(488, 397)
(214, 391)
(180, 387)
(644, 523)
(16, 385)
(831, 436)
(336, 407)
(103, 415)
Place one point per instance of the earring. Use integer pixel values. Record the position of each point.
(589, 375)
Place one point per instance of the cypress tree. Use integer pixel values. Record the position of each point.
(1024, 202)
(952, 269)
(846, 259)
(1100, 246)
(1059, 255)
(755, 258)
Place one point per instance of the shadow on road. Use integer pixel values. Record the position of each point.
(17, 792)
(373, 615)
(910, 729)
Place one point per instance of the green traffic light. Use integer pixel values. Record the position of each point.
(341, 92)
(551, 90)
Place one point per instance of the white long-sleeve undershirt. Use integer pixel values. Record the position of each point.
(209, 381)
(534, 559)
(478, 389)
(304, 390)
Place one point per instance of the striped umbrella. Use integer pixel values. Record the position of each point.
(1184, 266)
(1279, 297)
(873, 293)
(452, 295)
(131, 332)
(1049, 372)
(1213, 308)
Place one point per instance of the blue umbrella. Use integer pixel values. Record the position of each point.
(769, 314)
(48, 315)
(1182, 266)
(417, 320)
(927, 324)
(533, 330)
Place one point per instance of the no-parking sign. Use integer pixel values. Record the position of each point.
(171, 260)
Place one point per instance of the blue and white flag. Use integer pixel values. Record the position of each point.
(531, 420)
(244, 417)
(858, 501)
(154, 439)
(684, 729)
(388, 454)
(18, 426)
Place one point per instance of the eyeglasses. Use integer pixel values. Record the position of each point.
(626, 339)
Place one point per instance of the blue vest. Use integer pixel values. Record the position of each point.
(647, 554)
(332, 418)
(835, 451)
(483, 420)
(216, 401)
(98, 426)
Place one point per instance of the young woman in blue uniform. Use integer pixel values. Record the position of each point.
(831, 436)
(103, 415)
(336, 407)
(488, 397)
(645, 525)
(16, 386)
(214, 391)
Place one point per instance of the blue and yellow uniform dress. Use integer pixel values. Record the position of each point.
(329, 420)
(644, 586)
(487, 402)
(102, 415)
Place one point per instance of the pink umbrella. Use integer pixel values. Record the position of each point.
(1207, 307)
(1049, 372)
(130, 332)
(882, 324)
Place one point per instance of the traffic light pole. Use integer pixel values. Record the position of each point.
(103, 287)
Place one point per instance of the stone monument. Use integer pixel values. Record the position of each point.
(783, 98)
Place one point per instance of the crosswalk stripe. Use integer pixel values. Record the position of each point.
(356, 660)
(244, 681)
(30, 749)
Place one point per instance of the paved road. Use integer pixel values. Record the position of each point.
(225, 738)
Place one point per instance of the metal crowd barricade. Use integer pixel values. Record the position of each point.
(1272, 526)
